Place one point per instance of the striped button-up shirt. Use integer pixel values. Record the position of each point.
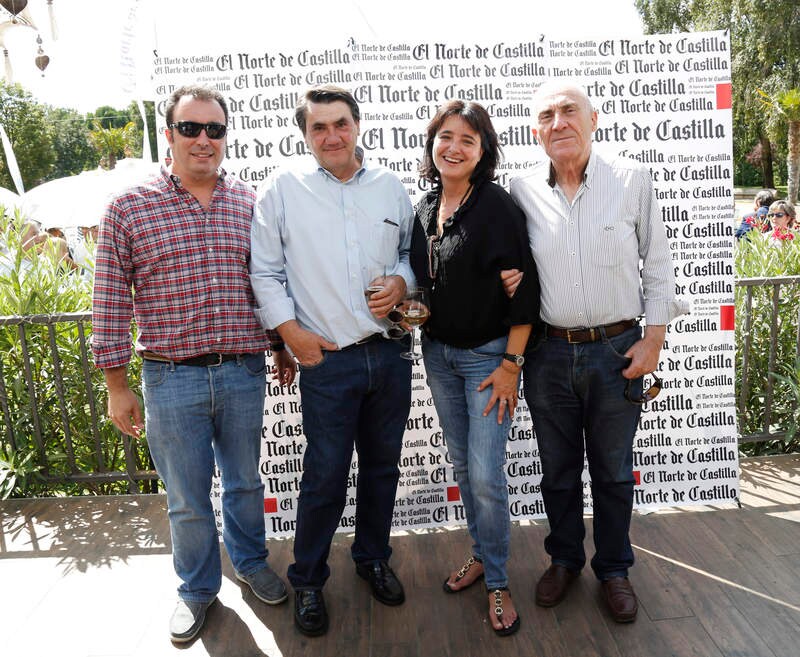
(588, 252)
(179, 269)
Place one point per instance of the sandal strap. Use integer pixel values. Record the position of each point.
(465, 568)
(498, 601)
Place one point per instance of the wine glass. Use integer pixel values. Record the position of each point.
(377, 282)
(416, 309)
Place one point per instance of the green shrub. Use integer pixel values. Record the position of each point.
(37, 284)
(757, 256)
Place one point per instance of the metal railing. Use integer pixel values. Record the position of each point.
(54, 441)
(744, 355)
(27, 400)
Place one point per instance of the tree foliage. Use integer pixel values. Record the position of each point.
(30, 134)
(113, 143)
(74, 152)
(765, 54)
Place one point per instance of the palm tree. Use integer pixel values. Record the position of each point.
(787, 105)
(112, 143)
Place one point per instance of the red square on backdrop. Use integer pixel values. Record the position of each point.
(724, 96)
(726, 318)
(270, 505)
(453, 494)
(637, 477)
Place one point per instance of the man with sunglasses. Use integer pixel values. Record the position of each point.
(181, 242)
(591, 220)
(320, 229)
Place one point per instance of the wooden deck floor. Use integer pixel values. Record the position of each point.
(93, 577)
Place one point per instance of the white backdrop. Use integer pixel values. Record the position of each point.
(663, 100)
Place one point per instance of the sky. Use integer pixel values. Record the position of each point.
(85, 60)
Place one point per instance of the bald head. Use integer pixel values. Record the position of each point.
(565, 122)
(552, 88)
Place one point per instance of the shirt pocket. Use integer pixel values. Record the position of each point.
(608, 243)
(384, 241)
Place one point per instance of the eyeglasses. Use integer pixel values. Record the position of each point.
(776, 215)
(648, 395)
(191, 129)
(433, 255)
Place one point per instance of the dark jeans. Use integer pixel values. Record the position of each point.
(357, 396)
(576, 396)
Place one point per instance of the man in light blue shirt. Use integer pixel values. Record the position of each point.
(322, 233)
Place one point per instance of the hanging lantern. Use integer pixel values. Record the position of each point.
(42, 60)
(13, 7)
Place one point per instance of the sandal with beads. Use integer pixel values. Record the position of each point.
(460, 575)
(498, 611)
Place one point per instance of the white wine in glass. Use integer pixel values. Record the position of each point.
(416, 310)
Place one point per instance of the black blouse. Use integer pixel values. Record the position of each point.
(486, 234)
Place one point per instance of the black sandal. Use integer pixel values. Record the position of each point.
(461, 573)
(498, 611)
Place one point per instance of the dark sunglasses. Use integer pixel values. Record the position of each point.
(395, 331)
(648, 395)
(433, 255)
(192, 129)
(777, 215)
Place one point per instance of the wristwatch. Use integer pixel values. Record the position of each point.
(517, 359)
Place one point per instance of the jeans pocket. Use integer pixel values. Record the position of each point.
(154, 373)
(254, 364)
(493, 348)
(619, 344)
(315, 366)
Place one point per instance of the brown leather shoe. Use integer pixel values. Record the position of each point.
(553, 585)
(621, 599)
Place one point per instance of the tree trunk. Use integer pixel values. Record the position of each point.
(767, 174)
(793, 160)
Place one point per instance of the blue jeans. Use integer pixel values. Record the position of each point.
(476, 444)
(192, 415)
(576, 396)
(358, 396)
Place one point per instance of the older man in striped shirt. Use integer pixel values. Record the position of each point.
(173, 252)
(591, 220)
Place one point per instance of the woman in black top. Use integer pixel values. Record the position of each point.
(466, 231)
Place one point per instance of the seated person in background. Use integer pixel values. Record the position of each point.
(761, 203)
(782, 217)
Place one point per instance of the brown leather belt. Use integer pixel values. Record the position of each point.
(591, 334)
(205, 360)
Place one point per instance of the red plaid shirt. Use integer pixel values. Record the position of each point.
(179, 270)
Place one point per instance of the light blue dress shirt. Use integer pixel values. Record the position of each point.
(317, 242)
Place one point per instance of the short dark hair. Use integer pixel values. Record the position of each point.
(765, 198)
(478, 119)
(327, 93)
(197, 91)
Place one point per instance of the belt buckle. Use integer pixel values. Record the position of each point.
(219, 361)
(569, 336)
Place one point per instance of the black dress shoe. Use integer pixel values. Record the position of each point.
(310, 615)
(386, 588)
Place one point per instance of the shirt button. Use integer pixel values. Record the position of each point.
(580, 314)
(213, 280)
(577, 284)
(219, 339)
(573, 253)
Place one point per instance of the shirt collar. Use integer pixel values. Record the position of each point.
(588, 172)
(174, 180)
(362, 158)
